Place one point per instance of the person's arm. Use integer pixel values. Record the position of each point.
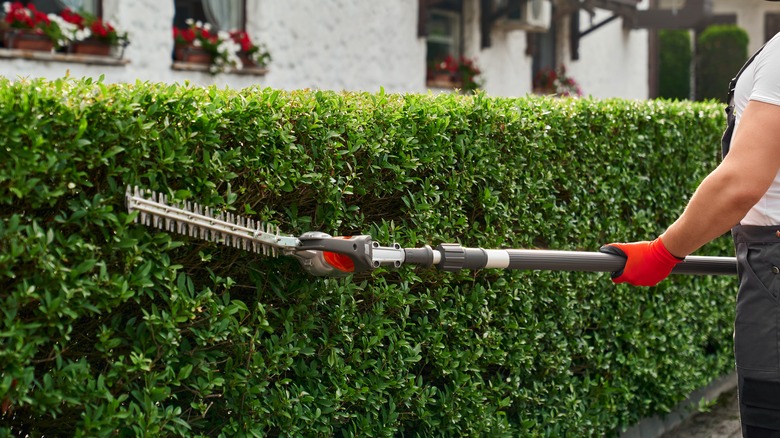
(719, 203)
(726, 195)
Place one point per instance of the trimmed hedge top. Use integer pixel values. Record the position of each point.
(109, 327)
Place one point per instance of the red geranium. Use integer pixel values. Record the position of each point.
(256, 53)
(101, 29)
(242, 38)
(72, 18)
(189, 35)
(28, 18)
(462, 70)
(550, 81)
(92, 27)
(20, 17)
(226, 48)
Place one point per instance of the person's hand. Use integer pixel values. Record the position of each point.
(647, 263)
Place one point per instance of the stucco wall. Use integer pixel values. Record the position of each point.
(750, 16)
(333, 44)
(352, 45)
(613, 61)
(506, 69)
(342, 44)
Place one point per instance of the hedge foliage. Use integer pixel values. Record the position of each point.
(722, 49)
(674, 64)
(112, 328)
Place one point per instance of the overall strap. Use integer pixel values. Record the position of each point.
(733, 82)
(731, 119)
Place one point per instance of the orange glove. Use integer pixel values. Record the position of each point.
(647, 263)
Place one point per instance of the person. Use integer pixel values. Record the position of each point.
(741, 194)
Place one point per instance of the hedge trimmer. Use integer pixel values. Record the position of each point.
(321, 254)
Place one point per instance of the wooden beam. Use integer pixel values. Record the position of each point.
(689, 17)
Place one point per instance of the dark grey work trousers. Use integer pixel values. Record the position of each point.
(757, 329)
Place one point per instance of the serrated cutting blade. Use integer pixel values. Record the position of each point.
(194, 220)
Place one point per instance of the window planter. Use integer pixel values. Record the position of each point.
(246, 60)
(192, 55)
(91, 47)
(25, 40)
(443, 80)
(40, 56)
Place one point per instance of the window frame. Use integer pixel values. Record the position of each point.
(454, 39)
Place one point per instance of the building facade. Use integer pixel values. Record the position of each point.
(358, 45)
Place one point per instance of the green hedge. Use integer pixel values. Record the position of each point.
(113, 328)
(722, 50)
(674, 64)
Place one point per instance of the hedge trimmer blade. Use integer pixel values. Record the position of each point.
(194, 220)
(324, 255)
(319, 253)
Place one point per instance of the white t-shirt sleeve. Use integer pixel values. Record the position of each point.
(766, 79)
(761, 82)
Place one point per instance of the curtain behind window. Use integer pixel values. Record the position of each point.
(89, 6)
(224, 14)
(56, 6)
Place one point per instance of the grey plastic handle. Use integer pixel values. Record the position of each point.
(453, 257)
(601, 262)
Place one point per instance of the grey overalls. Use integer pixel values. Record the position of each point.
(757, 324)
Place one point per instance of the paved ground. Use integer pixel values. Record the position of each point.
(722, 421)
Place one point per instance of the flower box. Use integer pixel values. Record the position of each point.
(29, 29)
(192, 55)
(221, 50)
(28, 40)
(443, 81)
(246, 59)
(450, 72)
(90, 35)
(91, 47)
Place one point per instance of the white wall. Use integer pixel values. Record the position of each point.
(333, 44)
(750, 16)
(343, 44)
(506, 70)
(353, 45)
(613, 62)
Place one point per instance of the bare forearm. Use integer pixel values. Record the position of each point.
(718, 204)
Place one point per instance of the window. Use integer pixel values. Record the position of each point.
(443, 29)
(443, 35)
(57, 6)
(220, 14)
(210, 35)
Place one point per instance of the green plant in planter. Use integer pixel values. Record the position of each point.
(84, 26)
(555, 82)
(28, 19)
(461, 72)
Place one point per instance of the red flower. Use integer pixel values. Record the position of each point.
(184, 36)
(98, 28)
(242, 38)
(73, 18)
(19, 16)
(460, 70)
(101, 28)
(39, 17)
